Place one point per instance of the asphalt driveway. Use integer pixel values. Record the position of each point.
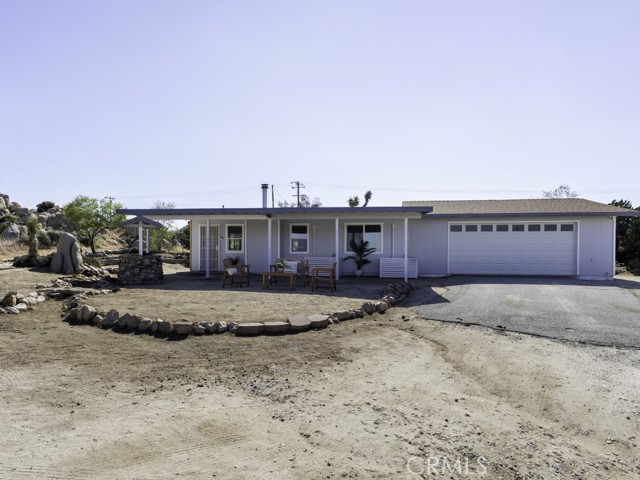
(601, 313)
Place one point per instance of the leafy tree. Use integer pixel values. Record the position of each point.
(305, 202)
(563, 191)
(182, 235)
(167, 232)
(627, 234)
(91, 216)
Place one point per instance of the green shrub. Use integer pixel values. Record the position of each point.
(92, 261)
(6, 220)
(44, 206)
(25, 261)
(634, 266)
(54, 235)
(44, 240)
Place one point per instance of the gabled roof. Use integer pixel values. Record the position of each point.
(146, 222)
(521, 207)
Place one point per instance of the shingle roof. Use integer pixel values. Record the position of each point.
(521, 207)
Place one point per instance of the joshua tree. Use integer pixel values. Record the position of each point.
(32, 236)
(367, 197)
(355, 201)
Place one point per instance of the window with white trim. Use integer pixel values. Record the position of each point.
(235, 238)
(299, 238)
(371, 232)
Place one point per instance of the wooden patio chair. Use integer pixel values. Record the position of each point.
(324, 277)
(238, 275)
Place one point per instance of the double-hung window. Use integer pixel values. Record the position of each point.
(370, 232)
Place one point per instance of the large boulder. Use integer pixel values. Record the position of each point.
(3, 202)
(67, 259)
(22, 212)
(11, 233)
(55, 219)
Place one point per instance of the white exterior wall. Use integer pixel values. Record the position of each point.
(256, 240)
(596, 248)
(254, 247)
(428, 241)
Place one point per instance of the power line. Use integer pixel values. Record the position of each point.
(297, 185)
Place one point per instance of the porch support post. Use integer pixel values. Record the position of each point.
(269, 251)
(207, 249)
(337, 249)
(406, 249)
(147, 232)
(279, 241)
(140, 237)
(246, 244)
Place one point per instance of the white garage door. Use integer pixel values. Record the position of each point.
(513, 248)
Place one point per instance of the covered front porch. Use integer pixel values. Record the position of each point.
(321, 236)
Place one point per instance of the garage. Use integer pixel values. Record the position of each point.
(514, 248)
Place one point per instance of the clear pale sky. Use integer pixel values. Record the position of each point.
(199, 102)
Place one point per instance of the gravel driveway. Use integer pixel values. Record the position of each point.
(602, 313)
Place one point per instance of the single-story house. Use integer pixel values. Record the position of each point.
(560, 237)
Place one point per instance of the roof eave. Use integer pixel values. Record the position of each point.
(533, 214)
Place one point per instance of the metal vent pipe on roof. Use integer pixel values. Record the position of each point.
(265, 189)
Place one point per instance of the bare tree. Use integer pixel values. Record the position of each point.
(563, 191)
(304, 202)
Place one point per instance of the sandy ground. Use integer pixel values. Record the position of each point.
(380, 397)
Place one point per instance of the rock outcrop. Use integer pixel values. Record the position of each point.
(67, 259)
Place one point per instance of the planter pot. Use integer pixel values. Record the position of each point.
(358, 273)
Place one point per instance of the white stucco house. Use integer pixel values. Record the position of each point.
(559, 237)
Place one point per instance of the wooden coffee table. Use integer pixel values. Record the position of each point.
(268, 276)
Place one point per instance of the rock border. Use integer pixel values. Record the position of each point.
(76, 311)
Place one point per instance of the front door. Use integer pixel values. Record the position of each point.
(214, 242)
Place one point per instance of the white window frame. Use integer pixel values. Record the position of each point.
(346, 234)
(291, 225)
(226, 237)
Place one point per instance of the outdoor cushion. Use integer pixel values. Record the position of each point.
(232, 271)
(290, 267)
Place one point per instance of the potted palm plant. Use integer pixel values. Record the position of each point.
(360, 253)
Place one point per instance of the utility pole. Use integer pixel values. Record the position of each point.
(297, 185)
(111, 199)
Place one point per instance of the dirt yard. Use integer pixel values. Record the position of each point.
(388, 396)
